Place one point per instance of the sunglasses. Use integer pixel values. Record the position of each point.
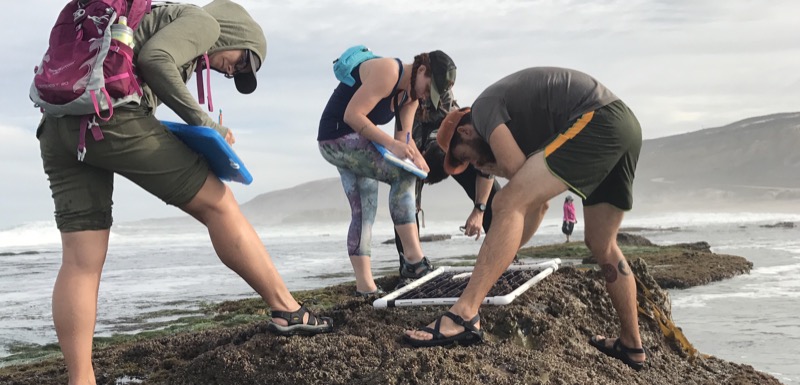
(240, 66)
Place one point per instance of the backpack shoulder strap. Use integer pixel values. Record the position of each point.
(395, 99)
(136, 9)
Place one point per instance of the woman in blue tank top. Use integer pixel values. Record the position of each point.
(384, 88)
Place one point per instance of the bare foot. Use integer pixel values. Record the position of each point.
(366, 288)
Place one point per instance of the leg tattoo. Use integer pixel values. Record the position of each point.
(623, 268)
(609, 272)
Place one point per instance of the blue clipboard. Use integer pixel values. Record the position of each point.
(211, 145)
(405, 164)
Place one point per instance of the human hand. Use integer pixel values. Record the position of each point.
(420, 162)
(473, 225)
(492, 169)
(403, 150)
(229, 137)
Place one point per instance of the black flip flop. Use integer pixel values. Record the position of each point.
(471, 335)
(619, 351)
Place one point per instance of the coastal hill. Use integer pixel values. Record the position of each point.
(324, 201)
(762, 151)
(750, 163)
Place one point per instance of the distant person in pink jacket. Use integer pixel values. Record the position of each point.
(569, 217)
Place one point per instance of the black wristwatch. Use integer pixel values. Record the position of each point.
(480, 206)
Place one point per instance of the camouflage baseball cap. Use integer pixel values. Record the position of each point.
(443, 75)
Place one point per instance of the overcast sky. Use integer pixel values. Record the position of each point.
(681, 65)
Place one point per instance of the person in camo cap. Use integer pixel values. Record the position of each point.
(479, 187)
(168, 43)
(384, 88)
(547, 130)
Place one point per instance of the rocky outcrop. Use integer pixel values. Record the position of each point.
(539, 339)
(782, 225)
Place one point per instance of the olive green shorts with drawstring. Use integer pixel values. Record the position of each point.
(135, 145)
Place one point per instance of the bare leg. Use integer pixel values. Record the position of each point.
(517, 208)
(536, 214)
(238, 245)
(602, 223)
(531, 226)
(75, 300)
(403, 208)
(363, 268)
(409, 235)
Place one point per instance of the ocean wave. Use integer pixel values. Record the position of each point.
(703, 300)
(28, 236)
(45, 232)
(790, 271)
(679, 219)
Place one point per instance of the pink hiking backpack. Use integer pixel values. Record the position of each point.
(84, 71)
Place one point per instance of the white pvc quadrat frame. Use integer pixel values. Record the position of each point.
(546, 267)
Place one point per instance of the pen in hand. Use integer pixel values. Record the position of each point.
(408, 139)
(229, 135)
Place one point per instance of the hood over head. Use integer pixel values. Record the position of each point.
(238, 30)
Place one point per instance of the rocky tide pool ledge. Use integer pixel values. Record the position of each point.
(539, 339)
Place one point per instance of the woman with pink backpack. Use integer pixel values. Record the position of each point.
(169, 43)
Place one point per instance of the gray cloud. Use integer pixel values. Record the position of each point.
(682, 65)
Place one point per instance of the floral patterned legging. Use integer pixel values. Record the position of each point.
(361, 166)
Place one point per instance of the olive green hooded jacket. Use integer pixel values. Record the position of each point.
(170, 40)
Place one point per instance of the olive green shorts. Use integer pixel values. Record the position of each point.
(596, 155)
(135, 145)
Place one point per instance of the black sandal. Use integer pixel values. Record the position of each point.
(315, 325)
(414, 270)
(619, 351)
(471, 335)
(368, 294)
